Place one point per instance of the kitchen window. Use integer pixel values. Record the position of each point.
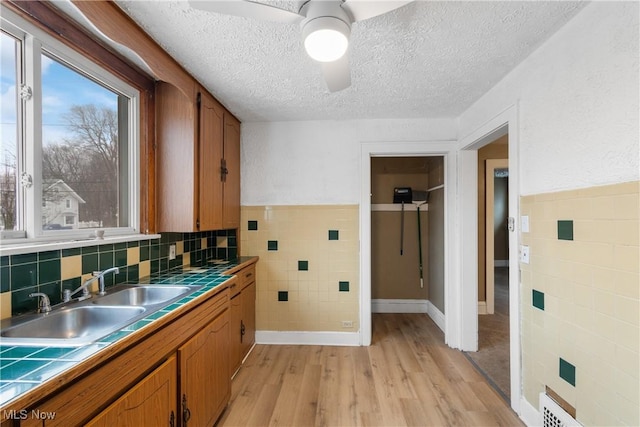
(69, 132)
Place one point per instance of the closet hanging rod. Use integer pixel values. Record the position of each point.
(435, 188)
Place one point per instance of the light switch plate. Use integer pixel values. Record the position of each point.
(524, 254)
(524, 223)
(172, 252)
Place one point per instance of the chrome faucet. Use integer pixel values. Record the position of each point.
(44, 305)
(97, 275)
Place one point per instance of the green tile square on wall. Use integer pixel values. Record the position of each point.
(565, 230)
(538, 299)
(89, 263)
(334, 235)
(272, 245)
(252, 225)
(343, 286)
(283, 296)
(303, 265)
(567, 372)
(49, 271)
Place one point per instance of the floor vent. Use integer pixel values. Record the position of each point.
(553, 415)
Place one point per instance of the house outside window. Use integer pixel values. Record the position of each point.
(69, 154)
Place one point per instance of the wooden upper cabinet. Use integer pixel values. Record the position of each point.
(231, 154)
(210, 140)
(198, 162)
(176, 160)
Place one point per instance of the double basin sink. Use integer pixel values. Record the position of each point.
(85, 322)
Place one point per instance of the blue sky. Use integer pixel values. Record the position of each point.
(62, 88)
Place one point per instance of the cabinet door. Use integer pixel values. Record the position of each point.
(211, 128)
(152, 402)
(248, 317)
(235, 336)
(205, 386)
(231, 214)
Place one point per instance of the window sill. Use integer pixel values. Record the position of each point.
(42, 246)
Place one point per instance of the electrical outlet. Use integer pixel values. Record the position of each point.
(347, 324)
(524, 223)
(524, 254)
(172, 252)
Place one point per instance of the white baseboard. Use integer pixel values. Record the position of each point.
(436, 315)
(308, 338)
(501, 263)
(482, 307)
(528, 414)
(399, 305)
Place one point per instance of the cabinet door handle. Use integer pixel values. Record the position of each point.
(186, 413)
(242, 331)
(249, 275)
(172, 420)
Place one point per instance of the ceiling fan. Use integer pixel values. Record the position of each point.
(325, 25)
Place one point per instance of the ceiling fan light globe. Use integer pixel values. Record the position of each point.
(326, 39)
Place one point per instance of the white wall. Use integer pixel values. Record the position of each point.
(318, 162)
(578, 105)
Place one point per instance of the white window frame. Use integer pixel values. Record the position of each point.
(35, 42)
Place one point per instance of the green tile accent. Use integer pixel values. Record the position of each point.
(538, 299)
(72, 283)
(283, 295)
(565, 230)
(89, 263)
(48, 255)
(20, 301)
(334, 235)
(89, 250)
(272, 245)
(105, 248)
(24, 276)
(24, 258)
(133, 273)
(144, 253)
(5, 279)
(343, 286)
(49, 271)
(134, 244)
(4, 261)
(303, 265)
(567, 372)
(71, 252)
(120, 246)
(252, 225)
(121, 258)
(105, 260)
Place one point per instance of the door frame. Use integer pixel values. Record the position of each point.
(491, 166)
(448, 150)
(505, 122)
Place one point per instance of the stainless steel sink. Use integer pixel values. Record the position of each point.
(147, 295)
(81, 323)
(71, 326)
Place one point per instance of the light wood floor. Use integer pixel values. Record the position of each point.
(407, 377)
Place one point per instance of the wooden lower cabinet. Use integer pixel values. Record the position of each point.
(204, 367)
(150, 403)
(143, 384)
(243, 318)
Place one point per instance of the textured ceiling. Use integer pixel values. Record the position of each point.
(426, 59)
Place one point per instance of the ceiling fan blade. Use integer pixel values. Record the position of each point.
(248, 9)
(337, 74)
(365, 9)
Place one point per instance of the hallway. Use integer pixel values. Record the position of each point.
(408, 376)
(492, 357)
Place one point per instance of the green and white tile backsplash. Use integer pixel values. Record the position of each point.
(52, 271)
